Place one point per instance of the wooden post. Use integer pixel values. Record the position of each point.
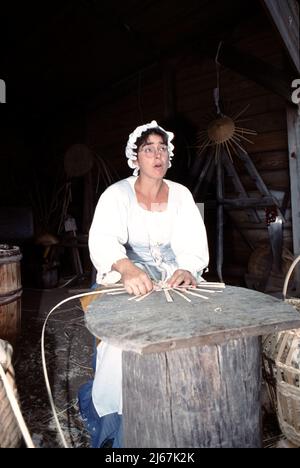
(88, 202)
(220, 217)
(191, 397)
(293, 126)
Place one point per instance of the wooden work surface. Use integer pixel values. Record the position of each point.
(154, 325)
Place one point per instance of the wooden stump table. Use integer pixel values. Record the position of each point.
(191, 371)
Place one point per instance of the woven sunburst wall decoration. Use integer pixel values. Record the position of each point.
(224, 133)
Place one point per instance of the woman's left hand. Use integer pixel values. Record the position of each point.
(182, 278)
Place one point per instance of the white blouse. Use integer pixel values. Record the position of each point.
(119, 219)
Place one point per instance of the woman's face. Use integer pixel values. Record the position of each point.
(153, 157)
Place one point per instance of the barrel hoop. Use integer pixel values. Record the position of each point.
(13, 259)
(10, 297)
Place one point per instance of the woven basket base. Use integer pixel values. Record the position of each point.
(10, 436)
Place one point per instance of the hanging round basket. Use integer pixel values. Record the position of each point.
(78, 160)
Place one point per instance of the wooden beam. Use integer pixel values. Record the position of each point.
(242, 203)
(255, 69)
(285, 17)
(293, 125)
(169, 80)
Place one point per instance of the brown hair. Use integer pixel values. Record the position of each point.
(151, 131)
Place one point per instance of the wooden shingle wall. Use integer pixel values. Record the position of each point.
(195, 77)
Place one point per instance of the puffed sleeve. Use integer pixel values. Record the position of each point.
(189, 239)
(108, 232)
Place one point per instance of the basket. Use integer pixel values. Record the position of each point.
(10, 435)
(288, 373)
(281, 366)
(288, 387)
(295, 301)
(270, 347)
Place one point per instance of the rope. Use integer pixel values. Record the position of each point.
(217, 89)
(48, 387)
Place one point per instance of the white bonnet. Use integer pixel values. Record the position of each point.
(131, 147)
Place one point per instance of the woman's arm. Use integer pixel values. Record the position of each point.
(107, 238)
(135, 280)
(189, 239)
(108, 232)
(182, 278)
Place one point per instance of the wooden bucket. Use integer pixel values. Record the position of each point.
(10, 292)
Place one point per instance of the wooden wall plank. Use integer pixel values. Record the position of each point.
(109, 125)
(285, 16)
(267, 142)
(256, 69)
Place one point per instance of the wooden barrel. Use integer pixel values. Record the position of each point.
(10, 292)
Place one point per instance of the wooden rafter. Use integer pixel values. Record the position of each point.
(256, 70)
(285, 17)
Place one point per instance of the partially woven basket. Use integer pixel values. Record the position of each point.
(288, 373)
(288, 387)
(10, 435)
(281, 365)
(295, 301)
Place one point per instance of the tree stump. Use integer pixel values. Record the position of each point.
(205, 396)
(191, 371)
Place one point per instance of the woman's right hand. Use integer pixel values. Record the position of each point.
(134, 280)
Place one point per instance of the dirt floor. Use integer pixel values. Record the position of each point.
(68, 349)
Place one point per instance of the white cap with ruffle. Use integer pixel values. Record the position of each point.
(131, 146)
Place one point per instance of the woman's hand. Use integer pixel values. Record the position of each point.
(182, 278)
(134, 280)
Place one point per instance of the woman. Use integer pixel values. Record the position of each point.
(145, 229)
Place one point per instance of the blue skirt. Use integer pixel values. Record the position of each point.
(105, 431)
